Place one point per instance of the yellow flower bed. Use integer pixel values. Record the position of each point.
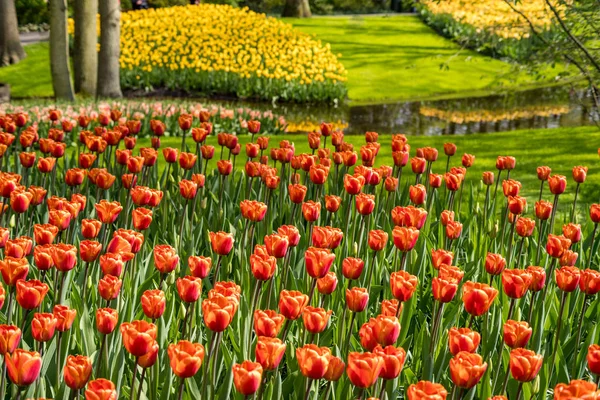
(495, 15)
(219, 49)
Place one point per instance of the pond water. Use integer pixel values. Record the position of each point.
(540, 108)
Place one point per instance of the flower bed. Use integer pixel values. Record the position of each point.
(136, 267)
(218, 49)
(487, 25)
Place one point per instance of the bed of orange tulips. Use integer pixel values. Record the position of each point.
(159, 272)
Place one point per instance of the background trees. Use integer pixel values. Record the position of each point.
(11, 50)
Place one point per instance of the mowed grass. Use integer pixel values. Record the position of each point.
(388, 58)
(30, 77)
(561, 149)
(398, 57)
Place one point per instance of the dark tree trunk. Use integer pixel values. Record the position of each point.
(109, 84)
(85, 55)
(59, 51)
(11, 51)
(296, 9)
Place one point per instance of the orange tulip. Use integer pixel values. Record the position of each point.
(64, 317)
(443, 289)
(43, 326)
(364, 368)
(138, 337)
(142, 218)
(30, 294)
(247, 377)
(153, 303)
(425, 390)
(494, 264)
(567, 278)
(267, 323)
(441, 256)
(44, 233)
(313, 360)
(10, 337)
(108, 212)
(525, 227)
(189, 288)
(576, 389)
(335, 369)
(593, 358)
(365, 203)
(221, 242)
(488, 178)
(318, 261)
(254, 211)
(478, 297)
(538, 275)
(311, 210)
(516, 333)
(353, 184)
(90, 228)
(453, 230)
(199, 266)
(292, 303)
(405, 238)
(269, 352)
(23, 367)
(403, 285)
(386, 329)
(511, 187)
(572, 232)
(417, 194)
(20, 200)
(315, 319)
(463, 339)
(77, 371)
(357, 299)
(525, 364)
(332, 203)
(466, 369)
(515, 282)
(109, 287)
(106, 320)
(352, 268)
(393, 361)
(327, 284)
(185, 358)
(543, 173)
(589, 282)
(13, 269)
(557, 184)
(165, 258)
(218, 313)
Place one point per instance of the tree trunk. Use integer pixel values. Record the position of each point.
(85, 57)
(11, 51)
(59, 51)
(297, 9)
(109, 84)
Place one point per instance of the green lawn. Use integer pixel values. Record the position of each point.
(30, 77)
(561, 149)
(399, 57)
(387, 58)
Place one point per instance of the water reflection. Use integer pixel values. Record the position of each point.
(540, 108)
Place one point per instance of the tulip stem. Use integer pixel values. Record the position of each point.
(519, 389)
(532, 302)
(382, 394)
(328, 391)
(558, 326)
(3, 379)
(139, 393)
(554, 207)
(312, 291)
(99, 361)
(252, 308)
(181, 385)
(309, 382)
(347, 344)
(589, 261)
(581, 317)
(133, 375)
(505, 384)
(58, 359)
(216, 275)
(573, 211)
